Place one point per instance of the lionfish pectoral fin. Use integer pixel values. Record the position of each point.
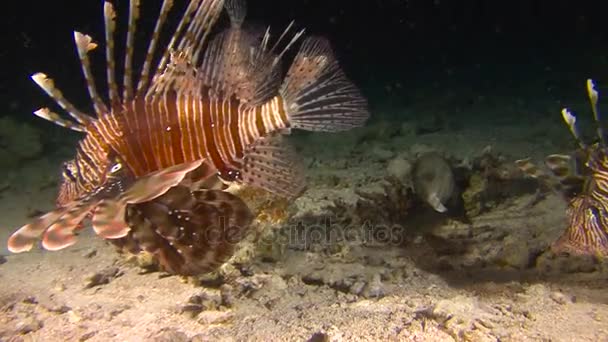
(24, 238)
(109, 219)
(60, 234)
(156, 184)
(190, 232)
(271, 164)
(318, 96)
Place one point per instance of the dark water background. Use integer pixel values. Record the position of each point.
(404, 54)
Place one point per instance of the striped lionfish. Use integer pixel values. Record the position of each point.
(582, 177)
(151, 170)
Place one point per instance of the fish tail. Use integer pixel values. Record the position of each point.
(318, 96)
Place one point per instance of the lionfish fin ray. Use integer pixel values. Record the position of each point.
(318, 96)
(23, 239)
(48, 85)
(593, 95)
(271, 164)
(109, 15)
(144, 78)
(127, 81)
(85, 44)
(53, 117)
(60, 234)
(237, 11)
(109, 219)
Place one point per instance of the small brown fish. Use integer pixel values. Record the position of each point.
(211, 112)
(582, 177)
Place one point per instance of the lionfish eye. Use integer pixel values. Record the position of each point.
(67, 173)
(117, 167)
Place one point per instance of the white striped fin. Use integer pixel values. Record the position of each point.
(110, 25)
(271, 164)
(48, 85)
(144, 78)
(318, 96)
(47, 114)
(130, 45)
(84, 45)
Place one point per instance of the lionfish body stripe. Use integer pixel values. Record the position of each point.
(214, 107)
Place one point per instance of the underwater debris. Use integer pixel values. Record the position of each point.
(581, 178)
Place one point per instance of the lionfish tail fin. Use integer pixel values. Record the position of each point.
(237, 11)
(189, 232)
(317, 93)
(271, 164)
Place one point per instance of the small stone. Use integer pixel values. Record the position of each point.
(2, 259)
(357, 288)
(399, 169)
(90, 254)
(28, 325)
(215, 317)
(102, 277)
(318, 337)
(226, 293)
(171, 335)
(87, 336)
(374, 288)
(560, 298)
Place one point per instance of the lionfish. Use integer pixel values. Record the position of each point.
(582, 178)
(153, 166)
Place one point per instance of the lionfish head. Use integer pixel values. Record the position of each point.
(68, 187)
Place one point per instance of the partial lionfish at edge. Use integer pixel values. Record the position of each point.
(583, 180)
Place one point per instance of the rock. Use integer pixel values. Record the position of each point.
(381, 154)
(2, 259)
(102, 277)
(374, 288)
(433, 180)
(561, 298)
(319, 337)
(28, 325)
(170, 335)
(400, 169)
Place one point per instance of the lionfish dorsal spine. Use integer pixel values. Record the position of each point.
(85, 44)
(593, 95)
(127, 82)
(110, 27)
(48, 85)
(144, 78)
